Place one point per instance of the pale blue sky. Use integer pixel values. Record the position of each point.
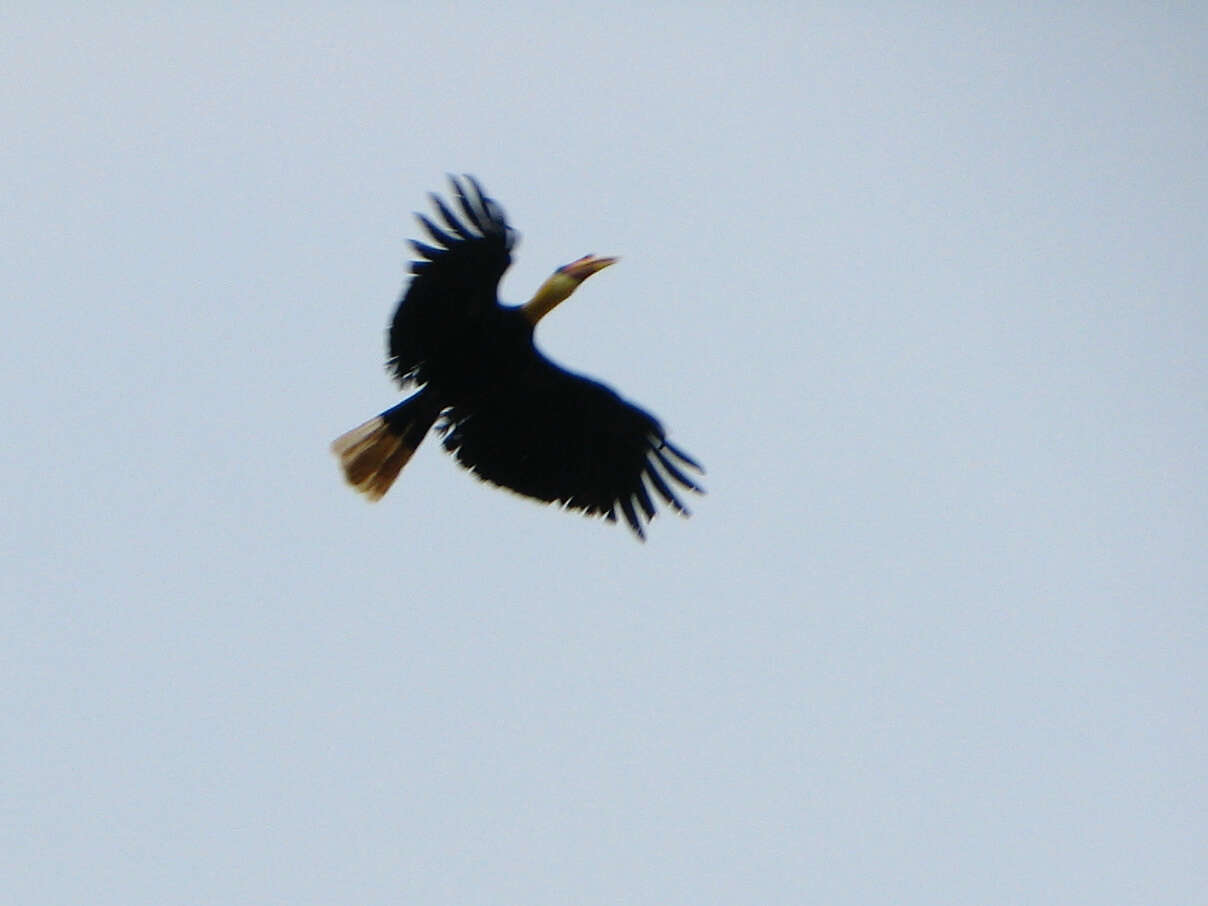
(923, 290)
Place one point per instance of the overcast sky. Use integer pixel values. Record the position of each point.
(923, 290)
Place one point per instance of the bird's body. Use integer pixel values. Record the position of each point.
(507, 412)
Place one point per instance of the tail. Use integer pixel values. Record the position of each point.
(373, 454)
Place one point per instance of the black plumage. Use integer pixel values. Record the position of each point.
(507, 413)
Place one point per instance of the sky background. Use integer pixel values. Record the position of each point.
(924, 291)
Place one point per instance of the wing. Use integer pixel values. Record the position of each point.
(564, 438)
(456, 279)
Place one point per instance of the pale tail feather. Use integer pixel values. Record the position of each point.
(372, 456)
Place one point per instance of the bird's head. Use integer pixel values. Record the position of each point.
(561, 283)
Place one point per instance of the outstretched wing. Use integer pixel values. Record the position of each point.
(456, 279)
(562, 437)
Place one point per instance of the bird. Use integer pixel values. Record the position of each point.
(507, 413)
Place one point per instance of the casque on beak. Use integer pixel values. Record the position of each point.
(584, 267)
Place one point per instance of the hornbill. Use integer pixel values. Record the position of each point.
(508, 414)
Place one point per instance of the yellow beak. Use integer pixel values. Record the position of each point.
(586, 266)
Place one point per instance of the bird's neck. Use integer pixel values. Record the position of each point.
(553, 291)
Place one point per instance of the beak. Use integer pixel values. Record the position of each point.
(586, 266)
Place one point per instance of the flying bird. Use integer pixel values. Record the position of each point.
(506, 412)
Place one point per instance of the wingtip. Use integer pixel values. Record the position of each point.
(477, 187)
